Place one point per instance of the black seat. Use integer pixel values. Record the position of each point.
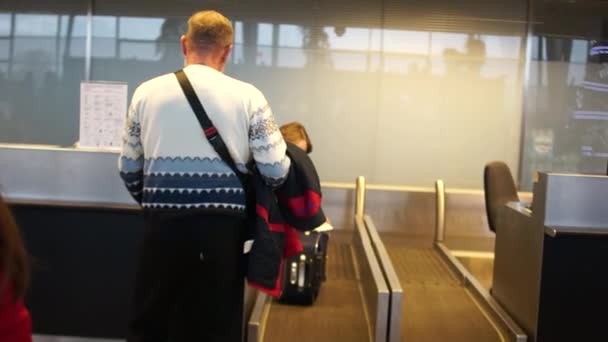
(499, 188)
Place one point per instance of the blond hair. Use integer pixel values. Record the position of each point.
(294, 132)
(208, 30)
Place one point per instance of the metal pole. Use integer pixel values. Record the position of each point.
(440, 211)
(11, 45)
(89, 42)
(360, 197)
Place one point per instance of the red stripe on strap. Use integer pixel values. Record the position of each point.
(211, 131)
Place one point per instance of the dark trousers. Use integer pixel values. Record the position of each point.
(190, 280)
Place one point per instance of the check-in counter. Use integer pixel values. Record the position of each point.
(550, 259)
(83, 231)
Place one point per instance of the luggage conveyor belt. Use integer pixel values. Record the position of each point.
(352, 299)
(433, 297)
(438, 299)
(437, 306)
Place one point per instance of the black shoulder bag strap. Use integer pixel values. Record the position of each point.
(213, 136)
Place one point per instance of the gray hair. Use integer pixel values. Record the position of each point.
(208, 30)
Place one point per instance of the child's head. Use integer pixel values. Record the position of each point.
(295, 133)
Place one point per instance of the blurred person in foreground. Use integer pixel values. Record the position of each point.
(15, 321)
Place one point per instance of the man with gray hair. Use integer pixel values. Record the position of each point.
(190, 278)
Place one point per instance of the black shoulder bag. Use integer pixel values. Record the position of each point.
(212, 134)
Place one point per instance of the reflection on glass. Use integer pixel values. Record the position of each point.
(291, 41)
(264, 56)
(140, 28)
(342, 38)
(139, 51)
(39, 78)
(5, 24)
(104, 27)
(77, 35)
(265, 34)
(238, 32)
(349, 61)
(80, 26)
(454, 82)
(418, 93)
(237, 54)
(411, 42)
(264, 42)
(291, 58)
(591, 108)
(442, 42)
(144, 38)
(134, 49)
(501, 46)
(4, 49)
(36, 25)
(567, 105)
(580, 49)
(104, 37)
(290, 36)
(64, 21)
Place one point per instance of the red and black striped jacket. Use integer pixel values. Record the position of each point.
(295, 205)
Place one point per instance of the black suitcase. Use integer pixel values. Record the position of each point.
(303, 273)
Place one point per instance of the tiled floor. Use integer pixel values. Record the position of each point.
(48, 338)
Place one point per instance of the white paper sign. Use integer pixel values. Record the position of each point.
(103, 108)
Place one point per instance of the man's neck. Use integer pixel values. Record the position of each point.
(206, 60)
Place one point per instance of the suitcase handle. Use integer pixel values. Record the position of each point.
(302, 272)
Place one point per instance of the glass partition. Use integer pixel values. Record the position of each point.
(566, 99)
(402, 92)
(41, 66)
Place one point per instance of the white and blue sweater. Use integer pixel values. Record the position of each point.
(166, 161)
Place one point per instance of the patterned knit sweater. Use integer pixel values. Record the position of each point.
(166, 161)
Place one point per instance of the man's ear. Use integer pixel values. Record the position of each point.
(182, 41)
(225, 53)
